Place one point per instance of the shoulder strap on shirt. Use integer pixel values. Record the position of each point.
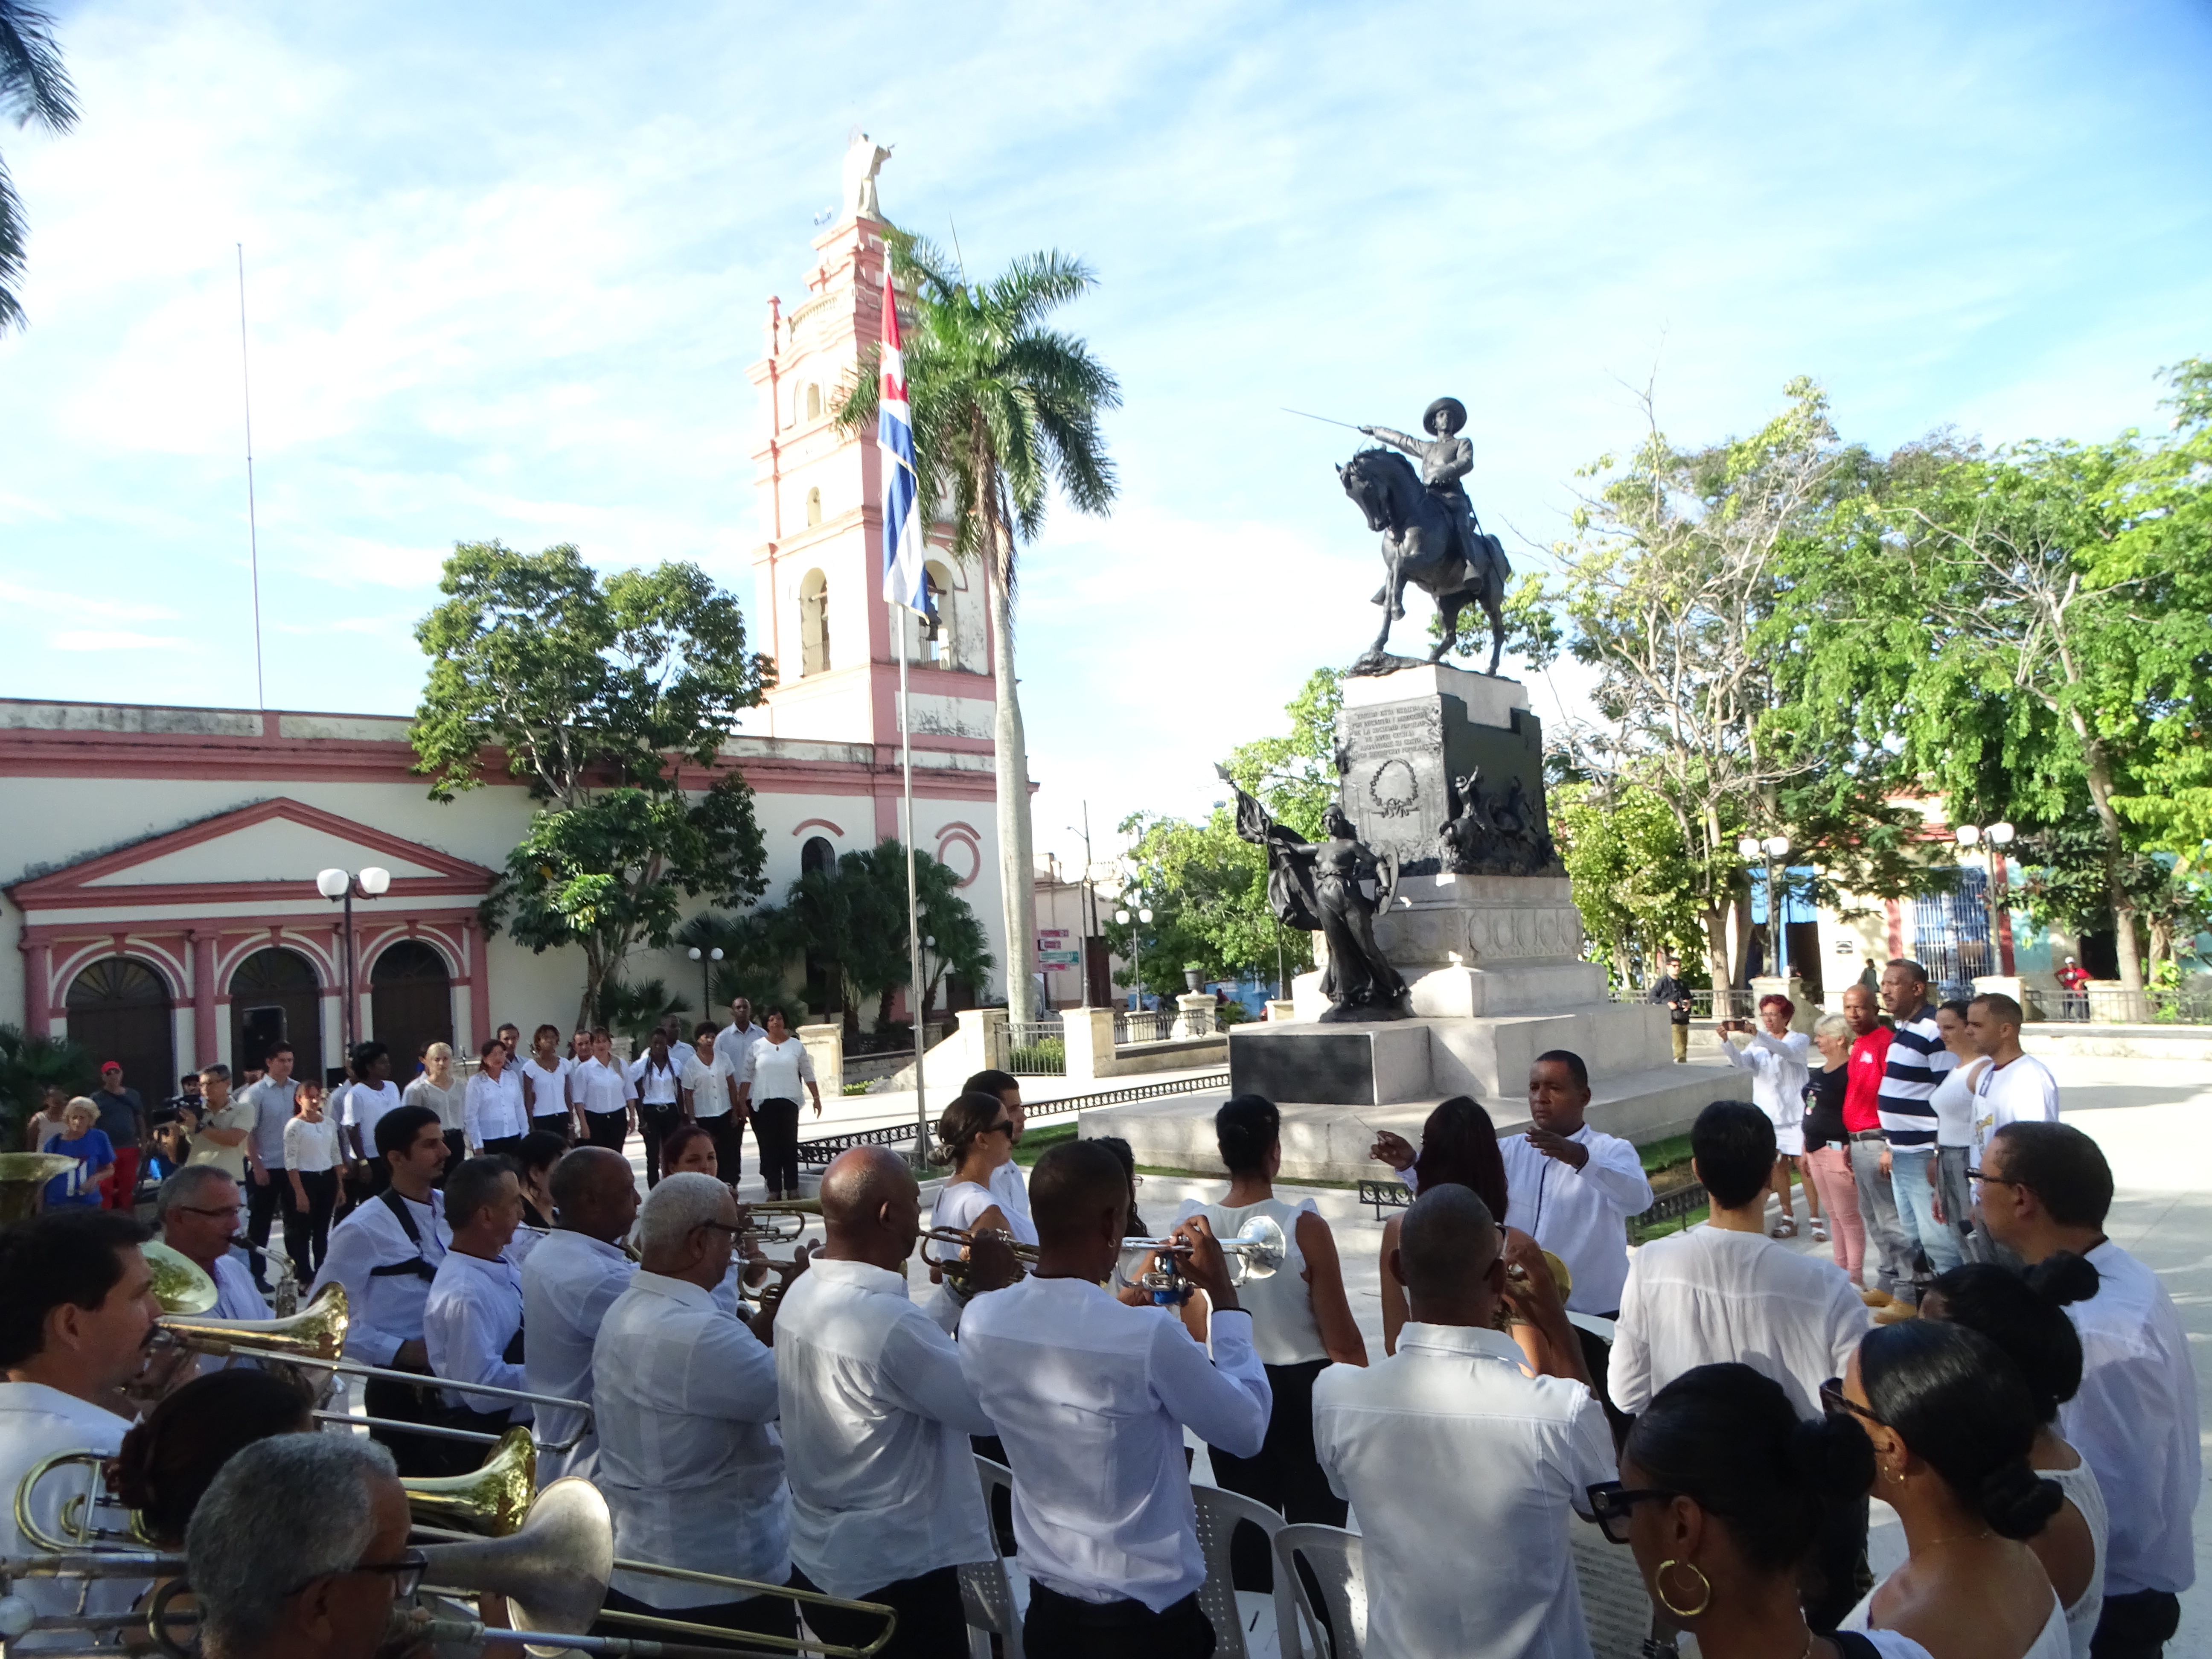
(1854, 1644)
(415, 1265)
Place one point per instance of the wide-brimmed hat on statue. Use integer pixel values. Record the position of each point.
(1450, 412)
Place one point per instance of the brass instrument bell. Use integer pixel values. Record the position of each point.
(492, 1500)
(317, 1331)
(22, 1176)
(181, 1286)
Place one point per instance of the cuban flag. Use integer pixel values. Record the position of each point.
(905, 580)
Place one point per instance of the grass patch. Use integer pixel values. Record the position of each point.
(854, 1089)
(1035, 1142)
(1644, 1235)
(1672, 1152)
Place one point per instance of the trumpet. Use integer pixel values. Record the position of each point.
(955, 1269)
(1258, 1251)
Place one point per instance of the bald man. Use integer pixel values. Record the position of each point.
(884, 1503)
(1448, 1440)
(565, 1296)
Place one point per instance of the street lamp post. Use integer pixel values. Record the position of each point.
(1993, 839)
(1143, 916)
(1775, 849)
(706, 959)
(339, 886)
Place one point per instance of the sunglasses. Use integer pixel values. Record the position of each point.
(1833, 1401)
(1006, 1128)
(1612, 1506)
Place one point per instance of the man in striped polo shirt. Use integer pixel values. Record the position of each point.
(1917, 1062)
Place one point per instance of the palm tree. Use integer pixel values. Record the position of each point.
(1004, 409)
(33, 87)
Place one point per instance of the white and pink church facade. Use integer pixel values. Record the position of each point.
(158, 865)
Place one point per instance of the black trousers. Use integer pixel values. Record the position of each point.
(654, 1125)
(1285, 1475)
(1065, 1628)
(776, 1126)
(1597, 1355)
(498, 1144)
(307, 1231)
(457, 1149)
(932, 1622)
(556, 1123)
(728, 1130)
(607, 1129)
(264, 1201)
(765, 1615)
(417, 1454)
(2137, 1625)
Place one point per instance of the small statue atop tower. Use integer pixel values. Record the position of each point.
(864, 159)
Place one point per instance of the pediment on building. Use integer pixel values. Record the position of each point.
(271, 849)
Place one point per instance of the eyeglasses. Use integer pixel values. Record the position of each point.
(1833, 1400)
(222, 1210)
(1984, 1176)
(406, 1574)
(1612, 1506)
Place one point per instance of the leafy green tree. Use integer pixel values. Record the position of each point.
(31, 1066)
(596, 691)
(1624, 854)
(33, 87)
(1005, 409)
(1673, 583)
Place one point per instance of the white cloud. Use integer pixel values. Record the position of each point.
(89, 639)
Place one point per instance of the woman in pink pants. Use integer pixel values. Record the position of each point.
(1827, 1147)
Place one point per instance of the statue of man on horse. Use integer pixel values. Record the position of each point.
(1430, 535)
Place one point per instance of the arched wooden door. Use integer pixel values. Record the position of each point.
(411, 1002)
(120, 1009)
(275, 997)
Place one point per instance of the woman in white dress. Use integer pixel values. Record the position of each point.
(1301, 1322)
(1952, 1426)
(975, 1135)
(1722, 1495)
(1775, 1057)
(2026, 1316)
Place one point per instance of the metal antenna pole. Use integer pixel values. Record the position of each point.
(252, 530)
(912, 896)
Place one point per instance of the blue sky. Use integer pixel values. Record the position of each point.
(507, 264)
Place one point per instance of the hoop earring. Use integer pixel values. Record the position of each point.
(1659, 1590)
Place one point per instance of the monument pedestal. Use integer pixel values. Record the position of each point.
(1493, 961)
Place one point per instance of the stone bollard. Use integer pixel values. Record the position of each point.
(1089, 1035)
(825, 1047)
(1194, 1014)
(1282, 1012)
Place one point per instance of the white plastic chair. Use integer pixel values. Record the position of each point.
(1219, 1513)
(1616, 1606)
(986, 1594)
(1333, 1557)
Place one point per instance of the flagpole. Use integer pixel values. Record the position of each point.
(912, 899)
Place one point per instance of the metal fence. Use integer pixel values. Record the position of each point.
(1160, 1027)
(1732, 1002)
(1036, 1049)
(2109, 1005)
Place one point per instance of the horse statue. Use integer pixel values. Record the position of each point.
(1422, 539)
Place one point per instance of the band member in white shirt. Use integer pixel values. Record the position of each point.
(497, 1118)
(684, 1397)
(768, 1088)
(1007, 1179)
(877, 1418)
(386, 1253)
(472, 1322)
(657, 1085)
(710, 1096)
(544, 1071)
(76, 1311)
(569, 1283)
(1447, 1440)
(603, 1094)
(2044, 1188)
(199, 1207)
(299, 1551)
(1092, 1397)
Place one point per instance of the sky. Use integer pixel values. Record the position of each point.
(506, 265)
